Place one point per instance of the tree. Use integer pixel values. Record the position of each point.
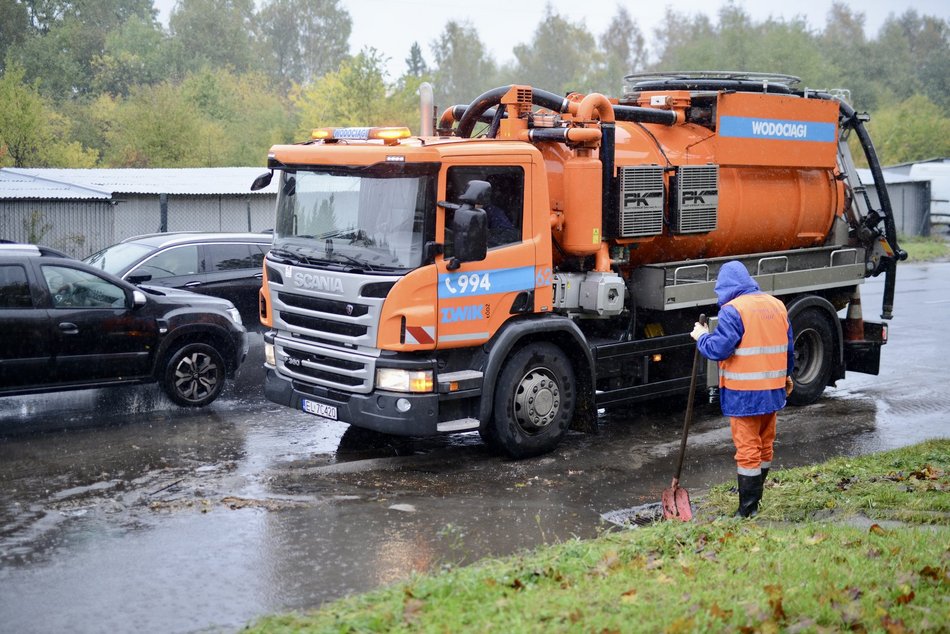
(303, 39)
(463, 70)
(155, 126)
(560, 57)
(136, 52)
(215, 33)
(910, 130)
(14, 27)
(66, 38)
(250, 119)
(32, 134)
(624, 51)
(415, 63)
(354, 95)
(913, 55)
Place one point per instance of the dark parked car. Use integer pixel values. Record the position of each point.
(227, 265)
(65, 325)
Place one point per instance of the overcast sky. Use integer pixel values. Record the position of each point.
(391, 26)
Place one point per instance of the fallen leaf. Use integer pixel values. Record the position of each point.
(516, 584)
(412, 610)
(629, 596)
(906, 598)
(681, 625)
(718, 613)
(575, 616)
(892, 626)
(935, 574)
(817, 538)
(877, 530)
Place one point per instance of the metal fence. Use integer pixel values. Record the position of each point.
(83, 227)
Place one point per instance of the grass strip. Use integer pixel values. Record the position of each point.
(794, 574)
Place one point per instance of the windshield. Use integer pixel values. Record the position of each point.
(369, 217)
(119, 257)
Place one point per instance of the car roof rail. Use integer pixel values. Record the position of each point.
(16, 248)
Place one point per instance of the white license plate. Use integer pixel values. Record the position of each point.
(319, 409)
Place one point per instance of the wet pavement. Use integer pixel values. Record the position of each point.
(121, 512)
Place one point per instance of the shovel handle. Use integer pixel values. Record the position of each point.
(689, 409)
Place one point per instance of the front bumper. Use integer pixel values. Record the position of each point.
(375, 411)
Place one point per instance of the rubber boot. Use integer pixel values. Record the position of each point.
(750, 492)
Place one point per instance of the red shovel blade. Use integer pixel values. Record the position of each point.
(676, 506)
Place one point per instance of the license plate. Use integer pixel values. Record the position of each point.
(319, 409)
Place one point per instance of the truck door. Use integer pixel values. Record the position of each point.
(476, 299)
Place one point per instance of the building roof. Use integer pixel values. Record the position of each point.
(105, 184)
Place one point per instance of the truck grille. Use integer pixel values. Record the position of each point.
(328, 338)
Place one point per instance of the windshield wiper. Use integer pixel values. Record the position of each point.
(285, 257)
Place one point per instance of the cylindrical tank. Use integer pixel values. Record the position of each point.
(761, 207)
(582, 229)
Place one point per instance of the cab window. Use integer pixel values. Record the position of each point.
(504, 212)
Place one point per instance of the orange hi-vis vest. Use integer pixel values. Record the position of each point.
(760, 362)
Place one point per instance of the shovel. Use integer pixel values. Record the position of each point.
(675, 500)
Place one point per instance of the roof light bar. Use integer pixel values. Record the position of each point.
(390, 135)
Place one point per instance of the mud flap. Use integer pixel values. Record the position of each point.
(865, 356)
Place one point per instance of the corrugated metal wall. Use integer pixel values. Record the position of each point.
(77, 227)
(83, 227)
(911, 204)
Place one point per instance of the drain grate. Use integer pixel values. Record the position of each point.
(642, 515)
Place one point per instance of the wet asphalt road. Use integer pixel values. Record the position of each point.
(120, 512)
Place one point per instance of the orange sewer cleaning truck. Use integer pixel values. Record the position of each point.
(530, 259)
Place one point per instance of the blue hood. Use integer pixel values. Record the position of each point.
(734, 280)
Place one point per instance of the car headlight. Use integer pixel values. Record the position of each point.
(397, 380)
(235, 316)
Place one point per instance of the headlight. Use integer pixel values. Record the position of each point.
(397, 380)
(235, 316)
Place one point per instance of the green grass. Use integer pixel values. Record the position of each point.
(715, 575)
(921, 249)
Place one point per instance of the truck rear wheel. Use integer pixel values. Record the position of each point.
(814, 347)
(534, 401)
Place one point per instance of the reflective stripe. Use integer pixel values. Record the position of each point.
(753, 376)
(761, 350)
(749, 472)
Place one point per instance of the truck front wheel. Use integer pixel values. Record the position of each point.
(814, 347)
(534, 401)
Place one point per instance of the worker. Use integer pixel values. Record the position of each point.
(754, 347)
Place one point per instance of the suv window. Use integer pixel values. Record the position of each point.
(72, 288)
(229, 257)
(14, 288)
(170, 263)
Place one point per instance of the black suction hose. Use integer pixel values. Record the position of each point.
(491, 98)
(890, 229)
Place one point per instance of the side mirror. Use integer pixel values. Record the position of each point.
(262, 181)
(470, 227)
(138, 299)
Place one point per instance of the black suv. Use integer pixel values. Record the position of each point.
(228, 265)
(65, 325)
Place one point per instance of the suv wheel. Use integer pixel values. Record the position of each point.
(194, 375)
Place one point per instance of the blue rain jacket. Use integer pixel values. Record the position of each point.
(734, 280)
